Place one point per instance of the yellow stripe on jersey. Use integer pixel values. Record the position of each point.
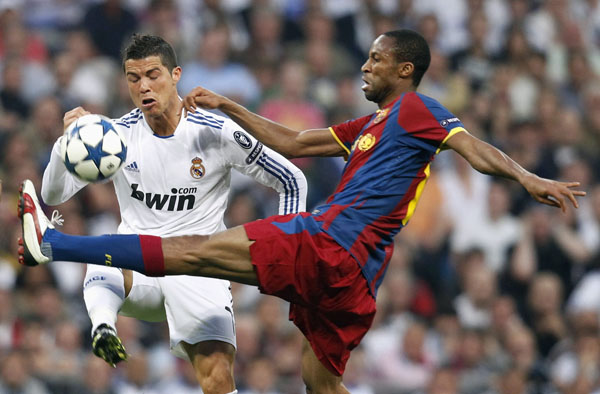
(338, 141)
(412, 205)
(450, 134)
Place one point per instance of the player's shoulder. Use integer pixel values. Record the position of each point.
(417, 99)
(205, 118)
(418, 112)
(130, 119)
(418, 103)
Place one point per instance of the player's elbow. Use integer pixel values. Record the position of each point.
(290, 151)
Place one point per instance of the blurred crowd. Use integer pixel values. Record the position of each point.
(487, 292)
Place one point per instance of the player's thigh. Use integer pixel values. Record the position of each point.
(231, 248)
(317, 378)
(145, 300)
(198, 310)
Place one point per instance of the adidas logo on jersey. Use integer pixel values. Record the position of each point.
(171, 202)
(132, 167)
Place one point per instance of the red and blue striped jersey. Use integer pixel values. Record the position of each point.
(389, 156)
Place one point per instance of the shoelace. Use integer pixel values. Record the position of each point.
(57, 218)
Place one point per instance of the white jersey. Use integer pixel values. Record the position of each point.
(179, 184)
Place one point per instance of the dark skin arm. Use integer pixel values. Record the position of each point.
(320, 142)
(488, 160)
(288, 142)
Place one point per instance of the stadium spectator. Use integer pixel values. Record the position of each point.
(474, 304)
(15, 376)
(213, 67)
(544, 312)
(476, 372)
(109, 23)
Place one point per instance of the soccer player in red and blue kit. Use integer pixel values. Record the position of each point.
(328, 263)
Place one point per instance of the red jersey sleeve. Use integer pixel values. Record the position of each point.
(427, 120)
(345, 133)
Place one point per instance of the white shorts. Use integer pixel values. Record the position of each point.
(197, 309)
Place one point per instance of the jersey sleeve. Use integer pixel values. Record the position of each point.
(252, 158)
(58, 184)
(427, 121)
(345, 133)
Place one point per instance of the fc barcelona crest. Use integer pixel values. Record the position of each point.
(381, 114)
(366, 142)
(197, 170)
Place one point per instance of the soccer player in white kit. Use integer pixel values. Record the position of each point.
(176, 181)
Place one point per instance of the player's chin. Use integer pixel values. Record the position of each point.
(151, 111)
(370, 95)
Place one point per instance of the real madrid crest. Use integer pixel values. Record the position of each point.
(381, 114)
(366, 142)
(197, 170)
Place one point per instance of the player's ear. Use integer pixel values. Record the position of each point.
(176, 74)
(405, 69)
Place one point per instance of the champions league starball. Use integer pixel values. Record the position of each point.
(93, 149)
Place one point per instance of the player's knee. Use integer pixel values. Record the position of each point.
(320, 385)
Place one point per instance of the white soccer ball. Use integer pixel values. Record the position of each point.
(93, 149)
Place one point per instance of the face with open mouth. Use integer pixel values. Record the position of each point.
(380, 71)
(151, 85)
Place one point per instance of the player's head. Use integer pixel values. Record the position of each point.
(397, 62)
(143, 46)
(411, 47)
(152, 74)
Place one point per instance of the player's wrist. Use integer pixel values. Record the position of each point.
(228, 106)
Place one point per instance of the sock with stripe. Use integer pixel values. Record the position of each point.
(141, 253)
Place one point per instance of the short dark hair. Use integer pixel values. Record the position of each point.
(410, 46)
(142, 46)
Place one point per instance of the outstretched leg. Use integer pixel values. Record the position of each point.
(225, 255)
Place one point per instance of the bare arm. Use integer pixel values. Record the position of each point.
(488, 160)
(288, 142)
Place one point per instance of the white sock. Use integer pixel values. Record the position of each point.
(103, 293)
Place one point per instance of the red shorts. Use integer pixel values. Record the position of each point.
(329, 296)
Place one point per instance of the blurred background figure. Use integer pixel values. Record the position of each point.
(213, 68)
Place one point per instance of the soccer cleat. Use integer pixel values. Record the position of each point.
(107, 345)
(34, 224)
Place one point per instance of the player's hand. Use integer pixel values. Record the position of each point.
(73, 115)
(204, 98)
(553, 193)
